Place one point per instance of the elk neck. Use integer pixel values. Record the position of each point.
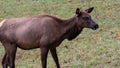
(70, 23)
(71, 30)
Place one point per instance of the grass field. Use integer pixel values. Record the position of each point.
(91, 49)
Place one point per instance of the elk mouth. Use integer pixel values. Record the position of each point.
(95, 27)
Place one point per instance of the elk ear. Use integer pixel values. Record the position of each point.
(89, 10)
(78, 12)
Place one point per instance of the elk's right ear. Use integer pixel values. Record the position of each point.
(89, 10)
(77, 11)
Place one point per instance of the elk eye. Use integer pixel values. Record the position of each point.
(85, 18)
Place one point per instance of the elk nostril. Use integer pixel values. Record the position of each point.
(96, 26)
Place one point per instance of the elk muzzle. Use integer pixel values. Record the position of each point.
(96, 26)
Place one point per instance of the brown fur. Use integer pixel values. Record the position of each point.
(45, 32)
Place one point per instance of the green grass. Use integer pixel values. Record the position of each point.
(92, 49)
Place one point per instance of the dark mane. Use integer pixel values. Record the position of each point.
(73, 33)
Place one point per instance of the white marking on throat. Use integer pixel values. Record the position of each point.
(1, 23)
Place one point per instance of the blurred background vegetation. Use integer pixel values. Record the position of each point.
(91, 49)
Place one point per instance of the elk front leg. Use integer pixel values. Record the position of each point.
(55, 57)
(44, 53)
(5, 61)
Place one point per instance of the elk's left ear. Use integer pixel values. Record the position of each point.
(89, 10)
(77, 11)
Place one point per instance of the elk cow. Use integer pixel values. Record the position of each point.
(45, 32)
